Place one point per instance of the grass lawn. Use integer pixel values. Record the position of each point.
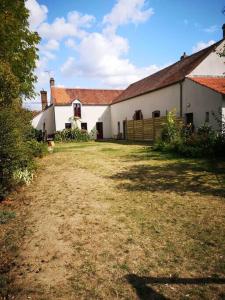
(118, 221)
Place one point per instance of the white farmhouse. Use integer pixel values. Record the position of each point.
(194, 86)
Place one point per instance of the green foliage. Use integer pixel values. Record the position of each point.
(75, 134)
(18, 53)
(14, 153)
(171, 129)
(5, 216)
(37, 149)
(18, 56)
(204, 143)
(35, 134)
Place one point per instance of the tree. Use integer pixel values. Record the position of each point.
(18, 55)
(18, 52)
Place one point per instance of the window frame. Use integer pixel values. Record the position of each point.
(138, 115)
(156, 114)
(68, 125)
(77, 110)
(85, 125)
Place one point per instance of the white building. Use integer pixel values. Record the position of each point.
(194, 86)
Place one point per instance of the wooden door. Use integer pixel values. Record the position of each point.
(99, 128)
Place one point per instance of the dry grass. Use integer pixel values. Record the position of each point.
(118, 221)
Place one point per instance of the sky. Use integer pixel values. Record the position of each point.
(113, 43)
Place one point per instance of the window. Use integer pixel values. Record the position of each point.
(156, 114)
(118, 126)
(84, 126)
(138, 115)
(207, 117)
(68, 125)
(77, 110)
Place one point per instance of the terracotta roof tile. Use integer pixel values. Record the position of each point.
(167, 76)
(214, 83)
(64, 96)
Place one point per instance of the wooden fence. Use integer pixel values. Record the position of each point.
(146, 130)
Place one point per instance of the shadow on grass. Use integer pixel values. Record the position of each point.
(179, 177)
(144, 292)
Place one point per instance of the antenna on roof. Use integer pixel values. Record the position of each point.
(50, 73)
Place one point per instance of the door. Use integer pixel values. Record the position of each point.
(190, 122)
(99, 128)
(189, 118)
(125, 130)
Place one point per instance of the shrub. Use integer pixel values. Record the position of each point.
(75, 134)
(171, 129)
(204, 143)
(35, 134)
(37, 149)
(17, 152)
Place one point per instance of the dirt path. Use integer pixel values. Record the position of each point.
(65, 213)
(83, 235)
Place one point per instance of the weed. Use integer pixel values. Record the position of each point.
(6, 216)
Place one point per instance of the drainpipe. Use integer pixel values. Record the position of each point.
(181, 98)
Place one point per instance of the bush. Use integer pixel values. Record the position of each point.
(36, 135)
(204, 143)
(75, 134)
(17, 150)
(37, 149)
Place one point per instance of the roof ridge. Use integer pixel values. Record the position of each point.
(89, 89)
(178, 61)
(162, 78)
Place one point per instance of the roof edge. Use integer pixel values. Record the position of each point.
(208, 87)
(148, 92)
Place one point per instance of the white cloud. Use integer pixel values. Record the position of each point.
(211, 29)
(71, 26)
(123, 13)
(107, 62)
(38, 13)
(70, 43)
(52, 45)
(201, 45)
(101, 56)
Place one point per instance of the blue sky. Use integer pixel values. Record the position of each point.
(112, 43)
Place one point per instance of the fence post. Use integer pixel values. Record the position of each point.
(153, 126)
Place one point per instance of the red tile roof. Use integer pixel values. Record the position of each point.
(64, 96)
(214, 83)
(168, 76)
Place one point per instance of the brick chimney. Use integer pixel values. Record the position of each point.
(52, 82)
(223, 27)
(44, 101)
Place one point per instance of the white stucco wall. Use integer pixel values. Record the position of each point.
(212, 65)
(163, 100)
(90, 114)
(223, 109)
(47, 117)
(198, 100)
